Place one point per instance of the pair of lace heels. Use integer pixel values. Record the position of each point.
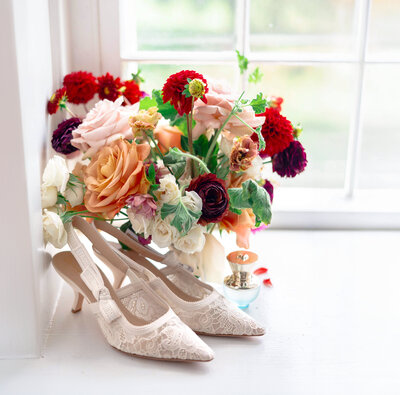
(157, 314)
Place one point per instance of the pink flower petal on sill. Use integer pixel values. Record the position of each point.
(260, 270)
(267, 282)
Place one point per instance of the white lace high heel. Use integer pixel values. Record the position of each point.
(197, 304)
(149, 329)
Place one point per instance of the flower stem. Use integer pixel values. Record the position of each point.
(214, 140)
(159, 151)
(212, 228)
(244, 123)
(189, 120)
(69, 111)
(195, 158)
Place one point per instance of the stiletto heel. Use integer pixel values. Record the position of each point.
(151, 330)
(197, 304)
(78, 301)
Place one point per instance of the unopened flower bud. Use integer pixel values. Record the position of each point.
(196, 88)
(297, 129)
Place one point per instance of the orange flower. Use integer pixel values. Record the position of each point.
(168, 136)
(242, 223)
(115, 172)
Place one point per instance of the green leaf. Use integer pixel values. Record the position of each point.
(256, 76)
(251, 195)
(146, 103)
(61, 199)
(183, 217)
(235, 210)
(242, 62)
(259, 104)
(223, 170)
(151, 174)
(201, 146)
(261, 141)
(176, 162)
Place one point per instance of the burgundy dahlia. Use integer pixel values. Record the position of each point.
(61, 140)
(270, 189)
(214, 195)
(291, 161)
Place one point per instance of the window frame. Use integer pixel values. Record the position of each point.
(348, 206)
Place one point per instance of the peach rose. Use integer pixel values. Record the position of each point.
(167, 137)
(213, 114)
(114, 173)
(106, 122)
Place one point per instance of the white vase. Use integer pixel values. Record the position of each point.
(210, 263)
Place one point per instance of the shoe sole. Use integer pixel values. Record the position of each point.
(162, 359)
(219, 335)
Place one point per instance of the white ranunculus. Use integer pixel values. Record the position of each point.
(74, 194)
(49, 196)
(193, 241)
(164, 234)
(256, 168)
(53, 229)
(168, 190)
(56, 173)
(140, 223)
(192, 201)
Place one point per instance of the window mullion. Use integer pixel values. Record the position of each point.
(353, 153)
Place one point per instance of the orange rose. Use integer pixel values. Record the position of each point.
(168, 136)
(241, 225)
(115, 172)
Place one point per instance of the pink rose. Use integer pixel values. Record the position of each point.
(142, 204)
(213, 114)
(106, 122)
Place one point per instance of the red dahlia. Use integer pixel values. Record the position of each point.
(109, 87)
(58, 98)
(277, 132)
(131, 90)
(81, 86)
(174, 87)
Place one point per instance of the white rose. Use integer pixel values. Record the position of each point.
(140, 223)
(256, 168)
(193, 241)
(164, 234)
(192, 201)
(53, 229)
(168, 190)
(74, 194)
(226, 146)
(49, 196)
(56, 174)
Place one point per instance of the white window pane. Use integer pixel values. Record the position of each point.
(176, 25)
(380, 147)
(305, 26)
(155, 75)
(322, 99)
(384, 32)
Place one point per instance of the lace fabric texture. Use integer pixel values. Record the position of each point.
(213, 314)
(171, 339)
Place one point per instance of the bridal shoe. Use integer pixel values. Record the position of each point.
(149, 329)
(197, 304)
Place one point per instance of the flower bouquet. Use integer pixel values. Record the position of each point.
(171, 167)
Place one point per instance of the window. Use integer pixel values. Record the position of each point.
(335, 62)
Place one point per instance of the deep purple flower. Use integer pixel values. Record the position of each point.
(291, 161)
(61, 140)
(270, 189)
(214, 196)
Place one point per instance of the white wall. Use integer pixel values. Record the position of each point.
(28, 286)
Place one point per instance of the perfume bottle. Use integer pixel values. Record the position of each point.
(242, 287)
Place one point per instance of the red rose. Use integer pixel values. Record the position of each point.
(277, 132)
(81, 86)
(174, 87)
(214, 195)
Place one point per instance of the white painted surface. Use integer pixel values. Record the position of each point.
(333, 327)
(27, 286)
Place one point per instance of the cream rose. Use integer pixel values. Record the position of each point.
(53, 229)
(192, 201)
(140, 223)
(256, 169)
(74, 194)
(164, 234)
(56, 174)
(168, 190)
(49, 196)
(193, 241)
(106, 122)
